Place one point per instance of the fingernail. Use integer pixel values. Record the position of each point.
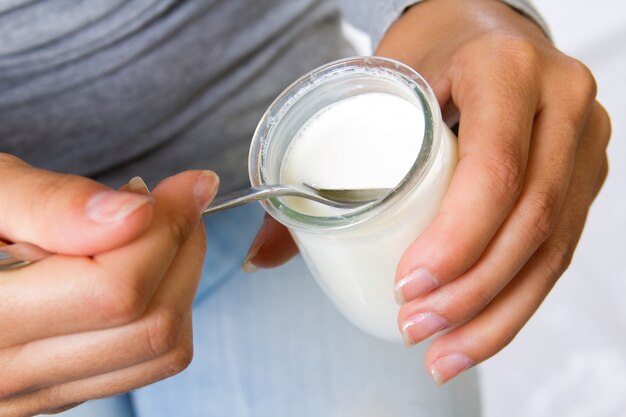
(255, 248)
(205, 187)
(138, 185)
(111, 206)
(413, 285)
(421, 326)
(247, 265)
(447, 367)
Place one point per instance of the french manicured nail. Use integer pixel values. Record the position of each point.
(421, 326)
(138, 185)
(414, 284)
(111, 206)
(205, 187)
(247, 265)
(447, 367)
(255, 248)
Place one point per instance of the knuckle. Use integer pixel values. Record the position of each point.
(558, 256)
(481, 297)
(521, 51)
(602, 124)
(6, 388)
(519, 58)
(181, 226)
(504, 337)
(541, 211)
(505, 168)
(460, 306)
(179, 359)
(118, 303)
(50, 399)
(47, 189)
(13, 381)
(515, 58)
(604, 173)
(583, 79)
(163, 331)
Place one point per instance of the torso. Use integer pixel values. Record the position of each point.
(112, 89)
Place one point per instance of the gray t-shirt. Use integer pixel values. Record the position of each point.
(113, 88)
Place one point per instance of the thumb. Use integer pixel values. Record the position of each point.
(273, 246)
(66, 213)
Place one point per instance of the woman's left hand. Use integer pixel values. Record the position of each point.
(532, 158)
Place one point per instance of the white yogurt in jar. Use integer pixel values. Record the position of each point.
(357, 123)
(367, 141)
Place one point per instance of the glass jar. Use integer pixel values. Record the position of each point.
(353, 256)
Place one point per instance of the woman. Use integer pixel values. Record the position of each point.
(110, 90)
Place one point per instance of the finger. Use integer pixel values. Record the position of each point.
(273, 246)
(497, 111)
(62, 359)
(113, 288)
(497, 325)
(65, 213)
(117, 382)
(531, 221)
(552, 154)
(183, 198)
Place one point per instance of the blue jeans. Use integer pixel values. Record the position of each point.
(270, 344)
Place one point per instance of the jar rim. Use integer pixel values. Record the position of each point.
(412, 81)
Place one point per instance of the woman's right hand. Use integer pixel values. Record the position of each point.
(109, 311)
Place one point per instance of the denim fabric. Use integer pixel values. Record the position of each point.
(270, 344)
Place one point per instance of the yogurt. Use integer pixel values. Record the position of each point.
(367, 141)
(357, 123)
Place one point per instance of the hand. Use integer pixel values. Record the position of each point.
(532, 149)
(532, 146)
(110, 311)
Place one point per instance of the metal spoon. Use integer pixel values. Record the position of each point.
(17, 255)
(338, 197)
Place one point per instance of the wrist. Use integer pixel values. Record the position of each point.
(429, 32)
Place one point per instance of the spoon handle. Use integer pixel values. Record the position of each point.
(340, 198)
(17, 255)
(244, 196)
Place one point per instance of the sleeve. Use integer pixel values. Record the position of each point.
(374, 17)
